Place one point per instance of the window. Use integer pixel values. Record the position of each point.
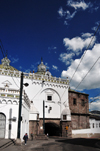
(83, 103)
(79, 95)
(74, 101)
(49, 98)
(99, 124)
(93, 125)
(64, 117)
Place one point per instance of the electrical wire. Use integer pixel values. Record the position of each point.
(94, 98)
(88, 72)
(15, 82)
(36, 94)
(85, 52)
(2, 50)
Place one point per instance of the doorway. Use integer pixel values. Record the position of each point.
(2, 125)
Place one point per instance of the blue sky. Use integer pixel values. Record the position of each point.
(60, 32)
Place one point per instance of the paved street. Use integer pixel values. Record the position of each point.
(78, 144)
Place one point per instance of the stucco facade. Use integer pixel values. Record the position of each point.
(42, 87)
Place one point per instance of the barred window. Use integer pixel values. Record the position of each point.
(74, 101)
(64, 117)
(49, 98)
(82, 102)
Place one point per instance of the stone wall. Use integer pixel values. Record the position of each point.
(66, 133)
(79, 106)
(33, 128)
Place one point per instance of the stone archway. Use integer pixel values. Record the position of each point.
(2, 125)
(52, 129)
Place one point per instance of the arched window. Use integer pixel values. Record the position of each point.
(9, 102)
(15, 102)
(4, 102)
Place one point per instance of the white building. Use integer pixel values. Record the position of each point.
(42, 86)
(9, 104)
(95, 123)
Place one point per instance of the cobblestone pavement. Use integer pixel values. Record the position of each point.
(55, 144)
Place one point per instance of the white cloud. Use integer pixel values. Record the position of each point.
(96, 27)
(65, 22)
(78, 5)
(61, 12)
(20, 67)
(92, 80)
(87, 35)
(46, 64)
(27, 70)
(67, 58)
(77, 44)
(69, 15)
(52, 48)
(94, 106)
(14, 60)
(54, 67)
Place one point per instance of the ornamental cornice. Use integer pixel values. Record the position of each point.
(33, 76)
(48, 84)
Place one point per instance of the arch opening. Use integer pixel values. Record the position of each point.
(52, 129)
(2, 125)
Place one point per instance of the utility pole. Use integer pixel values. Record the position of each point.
(44, 116)
(20, 107)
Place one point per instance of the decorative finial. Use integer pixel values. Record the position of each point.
(41, 59)
(6, 53)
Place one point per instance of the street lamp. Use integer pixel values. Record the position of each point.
(20, 105)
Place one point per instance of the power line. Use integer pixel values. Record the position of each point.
(15, 82)
(95, 98)
(87, 72)
(2, 48)
(85, 53)
(36, 94)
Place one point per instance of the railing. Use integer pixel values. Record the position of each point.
(34, 76)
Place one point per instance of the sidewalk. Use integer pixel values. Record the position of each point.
(31, 145)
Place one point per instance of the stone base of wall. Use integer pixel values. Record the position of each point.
(66, 133)
(33, 128)
(41, 137)
(79, 121)
(55, 128)
(88, 135)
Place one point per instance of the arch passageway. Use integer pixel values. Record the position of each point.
(52, 129)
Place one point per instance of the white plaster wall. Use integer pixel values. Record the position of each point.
(96, 128)
(32, 116)
(25, 121)
(37, 92)
(13, 81)
(91, 130)
(5, 109)
(81, 131)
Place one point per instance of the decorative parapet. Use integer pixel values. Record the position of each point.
(34, 76)
(14, 94)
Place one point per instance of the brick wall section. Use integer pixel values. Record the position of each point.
(33, 128)
(79, 112)
(67, 133)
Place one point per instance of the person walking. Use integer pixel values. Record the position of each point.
(31, 136)
(25, 138)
